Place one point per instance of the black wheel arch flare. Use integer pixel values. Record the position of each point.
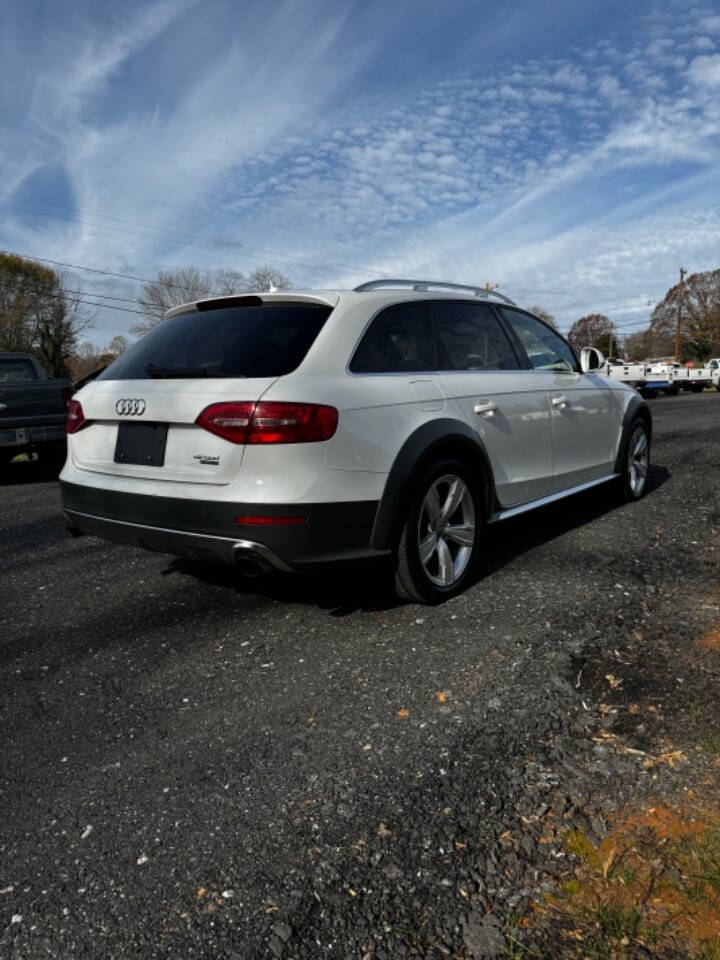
(441, 437)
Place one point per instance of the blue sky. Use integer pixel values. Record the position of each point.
(569, 151)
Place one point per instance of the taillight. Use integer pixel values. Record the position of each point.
(270, 422)
(75, 417)
(228, 420)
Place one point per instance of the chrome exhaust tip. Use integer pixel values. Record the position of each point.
(250, 564)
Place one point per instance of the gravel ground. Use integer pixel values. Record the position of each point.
(299, 767)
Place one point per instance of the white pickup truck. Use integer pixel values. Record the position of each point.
(693, 378)
(661, 376)
(634, 374)
(714, 367)
(655, 375)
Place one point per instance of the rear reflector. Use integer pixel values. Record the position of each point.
(265, 521)
(75, 417)
(269, 422)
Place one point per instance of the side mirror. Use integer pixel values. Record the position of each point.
(591, 359)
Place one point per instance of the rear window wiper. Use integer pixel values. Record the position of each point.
(183, 373)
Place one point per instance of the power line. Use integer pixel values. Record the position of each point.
(78, 266)
(67, 295)
(8, 284)
(224, 245)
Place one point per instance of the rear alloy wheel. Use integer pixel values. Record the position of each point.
(636, 461)
(438, 546)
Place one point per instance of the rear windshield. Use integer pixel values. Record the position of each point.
(267, 340)
(17, 369)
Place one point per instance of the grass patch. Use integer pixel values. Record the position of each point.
(711, 745)
(653, 884)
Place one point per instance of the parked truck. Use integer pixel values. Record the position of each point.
(714, 367)
(634, 374)
(33, 409)
(693, 378)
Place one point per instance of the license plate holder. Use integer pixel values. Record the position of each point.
(141, 444)
(11, 437)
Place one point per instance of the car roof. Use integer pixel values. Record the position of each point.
(388, 290)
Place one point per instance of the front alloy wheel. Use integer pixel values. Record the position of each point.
(440, 536)
(636, 461)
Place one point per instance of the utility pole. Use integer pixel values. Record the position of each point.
(679, 314)
(611, 339)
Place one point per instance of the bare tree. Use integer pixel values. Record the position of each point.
(117, 346)
(544, 315)
(637, 346)
(40, 312)
(592, 330)
(267, 278)
(170, 289)
(89, 358)
(699, 318)
(186, 284)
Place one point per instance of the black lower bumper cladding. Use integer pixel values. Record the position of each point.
(206, 529)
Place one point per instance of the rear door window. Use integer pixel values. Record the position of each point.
(255, 340)
(470, 337)
(399, 340)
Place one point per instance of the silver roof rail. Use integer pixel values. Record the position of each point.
(424, 285)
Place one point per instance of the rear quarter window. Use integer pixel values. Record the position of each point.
(399, 340)
(258, 340)
(17, 370)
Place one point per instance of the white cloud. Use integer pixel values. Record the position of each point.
(571, 76)
(705, 70)
(703, 43)
(269, 151)
(710, 25)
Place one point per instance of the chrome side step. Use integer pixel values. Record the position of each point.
(552, 498)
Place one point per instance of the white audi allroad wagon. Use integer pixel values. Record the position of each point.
(288, 430)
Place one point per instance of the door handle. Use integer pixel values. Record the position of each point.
(560, 402)
(485, 407)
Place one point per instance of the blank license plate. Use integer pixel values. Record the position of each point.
(141, 444)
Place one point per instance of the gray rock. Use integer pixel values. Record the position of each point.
(283, 931)
(484, 937)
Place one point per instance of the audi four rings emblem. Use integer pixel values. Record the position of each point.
(130, 408)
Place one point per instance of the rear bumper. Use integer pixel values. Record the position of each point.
(206, 530)
(31, 436)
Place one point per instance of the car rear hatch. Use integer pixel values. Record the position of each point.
(140, 415)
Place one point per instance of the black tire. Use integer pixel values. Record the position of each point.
(418, 580)
(629, 489)
(672, 391)
(697, 388)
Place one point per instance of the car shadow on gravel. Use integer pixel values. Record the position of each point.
(348, 588)
(341, 590)
(516, 536)
(30, 471)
